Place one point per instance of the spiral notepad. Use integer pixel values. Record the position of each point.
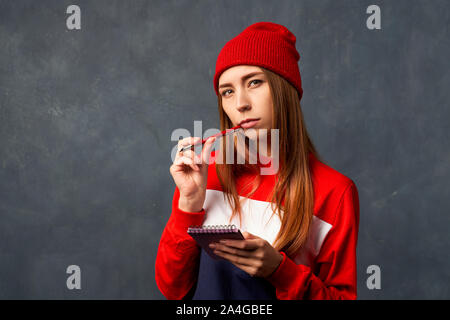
(204, 235)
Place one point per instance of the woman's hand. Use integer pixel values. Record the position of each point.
(253, 255)
(190, 173)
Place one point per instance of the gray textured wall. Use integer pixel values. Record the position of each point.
(86, 117)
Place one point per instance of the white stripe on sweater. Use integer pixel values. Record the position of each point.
(257, 219)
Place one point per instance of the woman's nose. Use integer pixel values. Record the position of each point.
(242, 103)
(244, 107)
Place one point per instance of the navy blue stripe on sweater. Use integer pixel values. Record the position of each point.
(221, 280)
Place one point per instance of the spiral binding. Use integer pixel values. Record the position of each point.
(213, 229)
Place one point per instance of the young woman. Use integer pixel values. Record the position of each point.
(300, 223)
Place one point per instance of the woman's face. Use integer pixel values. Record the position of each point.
(246, 94)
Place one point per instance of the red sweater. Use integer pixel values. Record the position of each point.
(324, 269)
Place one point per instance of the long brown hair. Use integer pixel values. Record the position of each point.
(293, 191)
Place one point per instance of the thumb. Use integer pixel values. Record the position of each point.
(248, 235)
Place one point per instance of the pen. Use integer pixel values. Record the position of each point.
(223, 133)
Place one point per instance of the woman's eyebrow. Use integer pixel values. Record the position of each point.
(242, 79)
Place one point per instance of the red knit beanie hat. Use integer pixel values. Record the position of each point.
(265, 44)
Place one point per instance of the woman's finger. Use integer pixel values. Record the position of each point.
(188, 141)
(206, 151)
(185, 142)
(188, 154)
(235, 259)
(248, 235)
(234, 251)
(249, 244)
(250, 270)
(185, 161)
(192, 155)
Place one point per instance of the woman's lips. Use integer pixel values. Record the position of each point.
(249, 124)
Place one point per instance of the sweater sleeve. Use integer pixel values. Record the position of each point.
(334, 274)
(177, 259)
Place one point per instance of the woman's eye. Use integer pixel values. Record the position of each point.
(255, 80)
(225, 91)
